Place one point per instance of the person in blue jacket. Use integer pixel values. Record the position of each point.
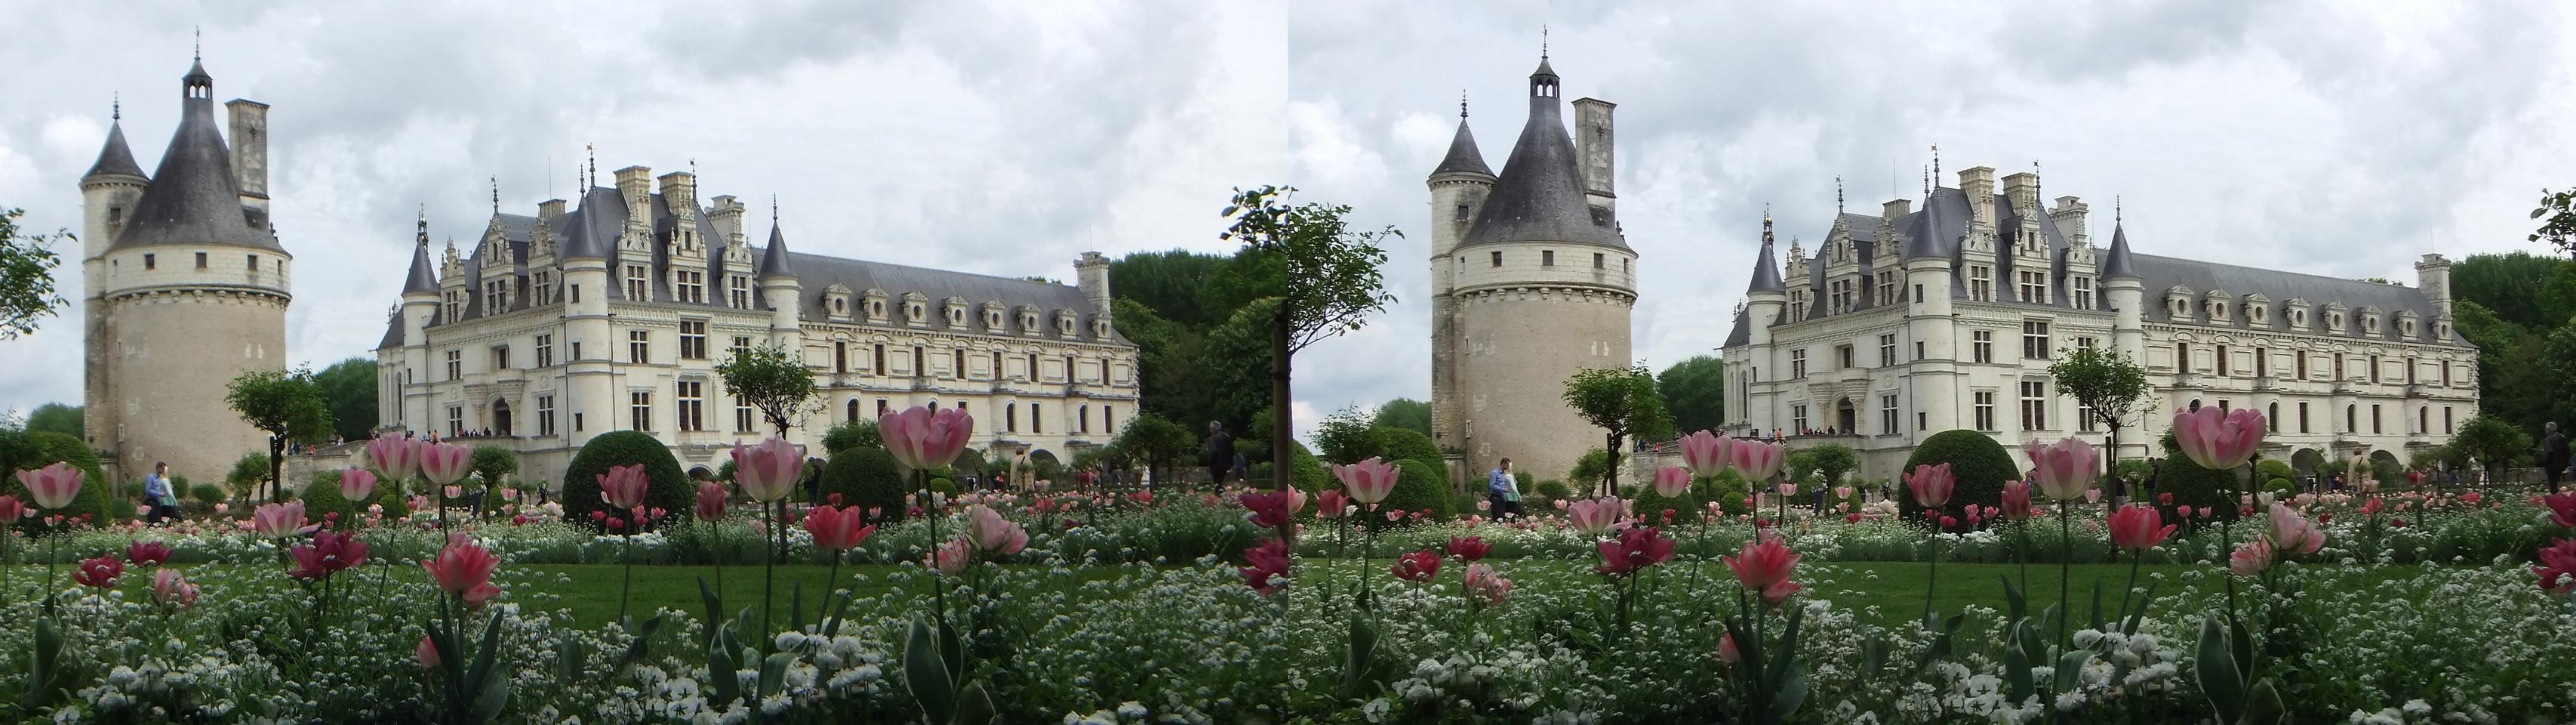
(1504, 490)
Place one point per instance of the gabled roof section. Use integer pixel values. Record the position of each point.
(818, 272)
(114, 158)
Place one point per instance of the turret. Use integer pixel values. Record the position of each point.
(108, 194)
(1458, 190)
(780, 288)
(2126, 293)
(2433, 276)
(1091, 275)
(1928, 246)
(1765, 295)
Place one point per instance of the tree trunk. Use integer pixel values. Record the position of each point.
(1610, 478)
(1283, 424)
(276, 468)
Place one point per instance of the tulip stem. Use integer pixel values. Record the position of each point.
(938, 592)
(2065, 557)
(627, 591)
(1933, 582)
(2135, 558)
(769, 566)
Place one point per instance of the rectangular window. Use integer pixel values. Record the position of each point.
(1922, 421)
(2262, 363)
(2423, 420)
(1033, 367)
(1083, 421)
(2338, 366)
(252, 263)
(738, 291)
(1547, 258)
(2446, 375)
(689, 285)
(997, 365)
(1036, 423)
(2446, 420)
(2034, 286)
(840, 357)
(545, 288)
(1887, 349)
(2410, 372)
(635, 276)
(2084, 421)
(201, 260)
(455, 421)
(2034, 405)
(1982, 344)
(2034, 340)
(743, 418)
(501, 358)
(1843, 356)
(877, 355)
(2299, 359)
(576, 293)
(639, 409)
(1797, 419)
(455, 364)
(882, 408)
(2303, 417)
(576, 351)
(496, 297)
(1981, 283)
(2081, 293)
(1797, 364)
(1600, 261)
(741, 344)
(920, 364)
(2222, 361)
(2085, 343)
(2372, 373)
(576, 422)
(639, 347)
(2182, 357)
(1887, 289)
(1887, 415)
(1461, 215)
(2351, 424)
(1918, 294)
(1985, 410)
(2374, 417)
(692, 408)
(1109, 424)
(545, 415)
(693, 339)
(1918, 349)
(957, 365)
(1011, 418)
(147, 261)
(1498, 259)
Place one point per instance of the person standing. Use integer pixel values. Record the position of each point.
(160, 504)
(1505, 491)
(2553, 454)
(1220, 453)
(1020, 470)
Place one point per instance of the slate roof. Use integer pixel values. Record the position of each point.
(421, 280)
(1539, 196)
(1766, 271)
(193, 198)
(2161, 274)
(2116, 263)
(774, 262)
(1463, 156)
(114, 158)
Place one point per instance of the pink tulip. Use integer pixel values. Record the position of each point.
(2065, 469)
(147, 553)
(949, 559)
(1707, 455)
(484, 592)
(394, 458)
(1931, 485)
(1595, 516)
(1369, 481)
(1726, 651)
(2293, 534)
(1268, 570)
(222, 508)
(1633, 551)
(922, 439)
(330, 551)
(1483, 584)
(2092, 495)
(2134, 528)
(2251, 558)
(445, 463)
(1485, 505)
(1560, 504)
(279, 519)
(1758, 461)
(623, 487)
(2557, 569)
(2219, 441)
(1671, 481)
(1329, 504)
(1788, 489)
(837, 529)
(426, 653)
(171, 589)
(992, 534)
(11, 510)
(100, 572)
(357, 484)
(52, 486)
(767, 471)
(1764, 566)
(711, 501)
(461, 568)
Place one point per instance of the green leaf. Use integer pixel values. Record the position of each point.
(2140, 613)
(1785, 658)
(489, 701)
(637, 650)
(2015, 607)
(2097, 605)
(715, 604)
(773, 672)
(796, 609)
(1791, 692)
(954, 650)
(2070, 670)
(2017, 684)
(2216, 670)
(483, 660)
(722, 671)
(1357, 660)
(2244, 649)
(975, 706)
(925, 675)
(2263, 705)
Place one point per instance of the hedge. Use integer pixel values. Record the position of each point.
(1406, 444)
(25, 450)
(1419, 486)
(868, 478)
(1978, 463)
(669, 489)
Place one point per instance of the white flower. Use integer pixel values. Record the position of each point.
(1131, 709)
(790, 640)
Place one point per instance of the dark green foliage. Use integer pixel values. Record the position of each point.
(860, 433)
(27, 262)
(322, 497)
(867, 477)
(248, 471)
(1419, 487)
(349, 390)
(1406, 413)
(669, 489)
(1694, 391)
(774, 381)
(21, 450)
(2269, 468)
(1406, 444)
(1828, 461)
(60, 418)
(1552, 489)
(1728, 489)
(207, 493)
(1651, 505)
(1976, 460)
(1345, 437)
(1588, 470)
(495, 463)
(2192, 485)
(1311, 474)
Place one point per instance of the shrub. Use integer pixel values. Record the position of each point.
(2270, 468)
(1651, 506)
(2192, 485)
(1551, 489)
(495, 463)
(1728, 489)
(38, 449)
(1311, 475)
(2280, 487)
(322, 497)
(248, 471)
(866, 477)
(853, 434)
(1976, 460)
(669, 489)
(1406, 444)
(1418, 487)
(208, 494)
(1589, 470)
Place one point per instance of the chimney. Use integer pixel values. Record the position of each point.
(635, 185)
(1895, 208)
(2022, 191)
(250, 151)
(1091, 274)
(549, 209)
(2068, 213)
(679, 193)
(2433, 276)
(1592, 149)
(728, 215)
(1979, 186)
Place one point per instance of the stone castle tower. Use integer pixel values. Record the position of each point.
(1531, 281)
(186, 289)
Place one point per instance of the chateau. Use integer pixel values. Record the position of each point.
(185, 289)
(612, 312)
(1532, 281)
(1915, 321)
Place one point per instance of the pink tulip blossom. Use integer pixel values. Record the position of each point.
(357, 484)
(445, 463)
(992, 534)
(100, 572)
(1726, 650)
(461, 568)
(1671, 481)
(330, 551)
(1634, 550)
(2562, 508)
(2293, 534)
(623, 487)
(1368, 481)
(2219, 441)
(1486, 585)
(147, 553)
(2251, 558)
(1758, 461)
(279, 519)
(2134, 528)
(11, 510)
(767, 471)
(2557, 569)
(2064, 469)
(1330, 504)
(837, 529)
(1419, 566)
(949, 559)
(52, 486)
(1707, 455)
(1472, 548)
(1266, 566)
(1595, 516)
(1271, 509)
(1931, 485)
(922, 438)
(171, 589)
(426, 653)
(393, 458)
(711, 501)
(1764, 566)
(1788, 489)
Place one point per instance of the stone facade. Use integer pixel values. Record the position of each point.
(1532, 281)
(613, 313)
(1884, 337)
(186, 289)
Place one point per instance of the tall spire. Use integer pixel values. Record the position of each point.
(1766, 271)
(1936, 161)
(2115, 264)
(1838, 197)
(1463, 156)
(1539, 195)
(114, 157)
(774, 261)
(1927, 239)
(496, 195)
(420, 280)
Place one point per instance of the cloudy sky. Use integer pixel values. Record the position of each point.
(1003, 138)
(2343, 139)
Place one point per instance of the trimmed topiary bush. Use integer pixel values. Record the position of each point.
(1419, 486)
(669, 489)
(1551, 489)
(322, 496)
(1311, 474)
(1651, 506)
(868, 478)
(853, 434)
(1976, 460)
(208, 494)
(19, 451)
(1727, 488)
(2193, 486)
(1406, 444)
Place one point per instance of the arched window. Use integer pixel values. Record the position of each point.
(2272, 417)
(854, 410)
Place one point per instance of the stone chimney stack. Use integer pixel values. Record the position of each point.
(250, 152)
(2069, 215)
(2022, 191)
(1592, 150)
(1979, 184)
(549, 209)
(1893, 209)
(728, 214)
(2433, 276)
(635, 184)
(679, 192)
(1091, 275)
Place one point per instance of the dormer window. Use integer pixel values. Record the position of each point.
(1064, 322)
(1099, 328)
(1028, 321)
(914, 312)
(2442, 330)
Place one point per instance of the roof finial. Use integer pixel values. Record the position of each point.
(1542, 41)
(422, 231)
(592, 179)
(773, 210)
(115, 106)
(197, 50)
(1927, 181)
(2115, 210)
(1838, 195)
(1462, 104)
(1936, 162)
(496, 194)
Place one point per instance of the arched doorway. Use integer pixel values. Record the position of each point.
(2306, 460)
(501, 417)
(1845, 417)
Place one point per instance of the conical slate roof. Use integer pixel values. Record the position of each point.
(2116, 264)
(115, 159)
(773, 261)
(1463, 156)
(193, 198)
(590, 240)
(1925, 239)
(1766, 272)
(421, 280)
(1539, 196)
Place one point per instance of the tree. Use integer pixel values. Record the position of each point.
(1622, 402)
(1169, 284)
(1403, 413)
(349, 389)
(1830, 461)
(289, 406)
(1343, 438)
(861, 433)
(2557, 213)
(58, 418)
(26, 276)
(2492, 442)
(1695, 391)
(773, 381)
(1330, 277)
(1157, 442)
(493, 462)
(2111, 388)
(2511, 285)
